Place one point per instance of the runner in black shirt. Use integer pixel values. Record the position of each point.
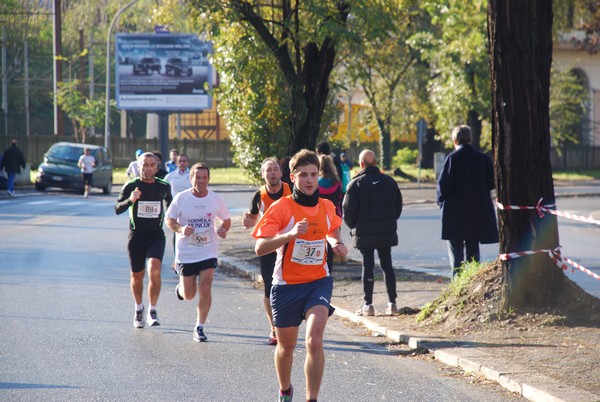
(145, 198)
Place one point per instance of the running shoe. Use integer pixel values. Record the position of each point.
(366, 310)
(392, 309)
(199, 335)
(153, 318)
(272, 338)
(286, 397)
(138, 319)
(177, 292)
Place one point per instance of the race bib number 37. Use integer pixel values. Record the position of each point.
(308, 252)
(148, 209)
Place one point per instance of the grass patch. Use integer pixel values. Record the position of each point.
(577, 175)
(436, 309)
(231, 175)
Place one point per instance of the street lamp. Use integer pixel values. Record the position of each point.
(107, 111)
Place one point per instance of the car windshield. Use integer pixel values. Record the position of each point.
(64, 153)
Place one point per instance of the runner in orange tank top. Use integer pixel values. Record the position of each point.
(298, 227)
(273, 190)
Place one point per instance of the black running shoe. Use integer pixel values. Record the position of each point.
(177, 292)
(199, 335)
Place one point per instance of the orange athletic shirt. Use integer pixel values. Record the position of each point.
(266, 201)
(303, 259)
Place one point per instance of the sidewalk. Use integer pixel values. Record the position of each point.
(557, 363)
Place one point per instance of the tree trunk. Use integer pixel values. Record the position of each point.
(520, 40)
(309, 103)
(474, 122)
(385, 144)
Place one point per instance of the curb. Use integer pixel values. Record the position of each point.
(519, 380)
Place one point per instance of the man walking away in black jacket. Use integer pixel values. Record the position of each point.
(372, 206)
(12, 162)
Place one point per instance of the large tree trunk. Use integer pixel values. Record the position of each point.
(474, 122)
(520, 39)
(309, 104)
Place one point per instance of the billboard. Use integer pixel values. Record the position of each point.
(163, 72)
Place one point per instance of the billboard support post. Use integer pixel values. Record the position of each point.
(163, 136)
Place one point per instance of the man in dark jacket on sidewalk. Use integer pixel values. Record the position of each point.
(463, 195)
(12, 162)
(372, 206)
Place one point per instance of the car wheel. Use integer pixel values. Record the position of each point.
(108, 188)
(40, 187)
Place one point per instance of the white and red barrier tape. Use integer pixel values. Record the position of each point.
(554, 255)
(547, 208)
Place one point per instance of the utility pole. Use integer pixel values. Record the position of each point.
(26, 62)
(4, 82)
(107, 110)
(91, 74)
(58, 123)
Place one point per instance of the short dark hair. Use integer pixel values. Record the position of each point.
(304, 157)
(199, 166)
(323, 148)
(462, 134)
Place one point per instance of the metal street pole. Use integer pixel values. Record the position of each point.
(107, 110)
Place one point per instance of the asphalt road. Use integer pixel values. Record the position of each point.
(66, 326)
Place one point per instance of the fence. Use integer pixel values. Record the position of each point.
(575, 157)
(213, 153)
(218, 153)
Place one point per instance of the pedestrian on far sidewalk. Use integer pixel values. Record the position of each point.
(194, 215)
(372, 206)
(463, 195)
(86, 163)
(145, 198)
(12, 162)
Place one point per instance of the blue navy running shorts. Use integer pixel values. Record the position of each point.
(291, 302)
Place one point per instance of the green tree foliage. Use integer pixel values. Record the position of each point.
(83, 112)
(381, 63)
(302, 39)
(455, 48)
(568, 107)
(26, 20)
(252, 99)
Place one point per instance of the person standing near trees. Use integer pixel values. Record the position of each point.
(463, 195)
(145, 198)
(273, 190)
(302, 286)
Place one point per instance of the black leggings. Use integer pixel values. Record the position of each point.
(385, 260)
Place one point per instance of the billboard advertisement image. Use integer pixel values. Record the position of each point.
(163, 72)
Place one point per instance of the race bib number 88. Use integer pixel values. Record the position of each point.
(308, 252)
(148, 209)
